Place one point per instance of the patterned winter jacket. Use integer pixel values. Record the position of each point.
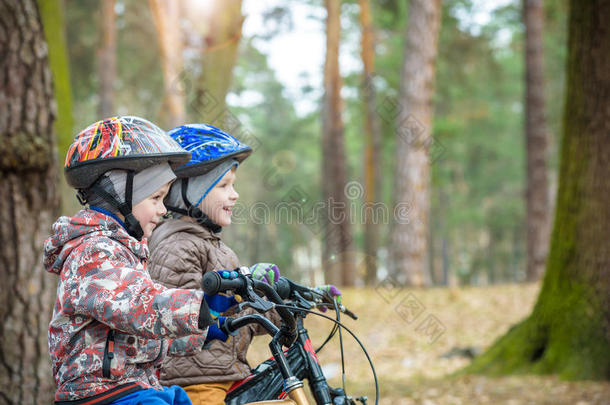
(111, 323)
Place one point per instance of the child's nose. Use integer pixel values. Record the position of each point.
(163, 210)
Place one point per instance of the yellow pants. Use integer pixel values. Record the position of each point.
(208, 394)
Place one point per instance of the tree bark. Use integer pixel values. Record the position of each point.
(28, 204)
(372, 135)
(568, 332)
(107, 60)
(166, 15)
(337, 245)
(538, 207)
(221, 43)
(409, 237)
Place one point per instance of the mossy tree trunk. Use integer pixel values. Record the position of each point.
(28, 204)
(52, 15)
(568, 332)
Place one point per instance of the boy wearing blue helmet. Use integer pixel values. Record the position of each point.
(187, 246)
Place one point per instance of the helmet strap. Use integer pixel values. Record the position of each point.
(81, 196)
(194, 212)
(133, 225)
(125, 208)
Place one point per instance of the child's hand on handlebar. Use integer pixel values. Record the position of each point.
(220, 303)
(215, 332)
(267, 272)
(331, 291)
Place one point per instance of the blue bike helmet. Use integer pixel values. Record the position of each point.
(211, 149)
(209, 146)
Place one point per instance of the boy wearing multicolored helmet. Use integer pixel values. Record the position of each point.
(112, 324)
(186, 247)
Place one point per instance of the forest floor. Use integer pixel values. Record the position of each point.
(411, 335)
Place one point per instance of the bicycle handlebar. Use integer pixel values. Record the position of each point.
(213, 283)
(283, 289)
(287, 288)
(233, 324)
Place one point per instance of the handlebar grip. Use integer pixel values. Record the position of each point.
(283, 288)
(213, 283)
(227, 327)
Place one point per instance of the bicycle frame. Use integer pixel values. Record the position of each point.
(266, 381)
(281, 376)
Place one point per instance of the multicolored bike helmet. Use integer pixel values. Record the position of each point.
(129, 143)
(210, 147)
(125, 143)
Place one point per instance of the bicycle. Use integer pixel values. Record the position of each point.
(281, 377)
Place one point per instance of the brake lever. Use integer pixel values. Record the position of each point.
(301, 301)
(341, 307)
(253, 300)
(261, 306)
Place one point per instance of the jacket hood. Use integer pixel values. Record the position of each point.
(69, 232)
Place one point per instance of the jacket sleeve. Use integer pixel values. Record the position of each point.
(176, 263)
(104, 285)
(187, 345)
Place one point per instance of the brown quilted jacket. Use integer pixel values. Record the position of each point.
(181, 251)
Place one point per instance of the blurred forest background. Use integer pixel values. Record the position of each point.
(398, 145)
(478, 153)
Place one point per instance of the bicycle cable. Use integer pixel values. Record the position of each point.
(331, 334)
(338, 313)
(340, 325)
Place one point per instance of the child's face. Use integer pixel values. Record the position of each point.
(149, 211)
(219, 203)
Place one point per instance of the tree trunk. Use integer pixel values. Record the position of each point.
(409, 238)
(538, 208)
(372, 135)
(221, 43)
(52, 15)
(107, 60)
(337, 252)
(568, 332)
(28, 204)
(166, 15)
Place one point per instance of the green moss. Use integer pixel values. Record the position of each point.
(24, 152)
(562, 336)
(52, 17)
